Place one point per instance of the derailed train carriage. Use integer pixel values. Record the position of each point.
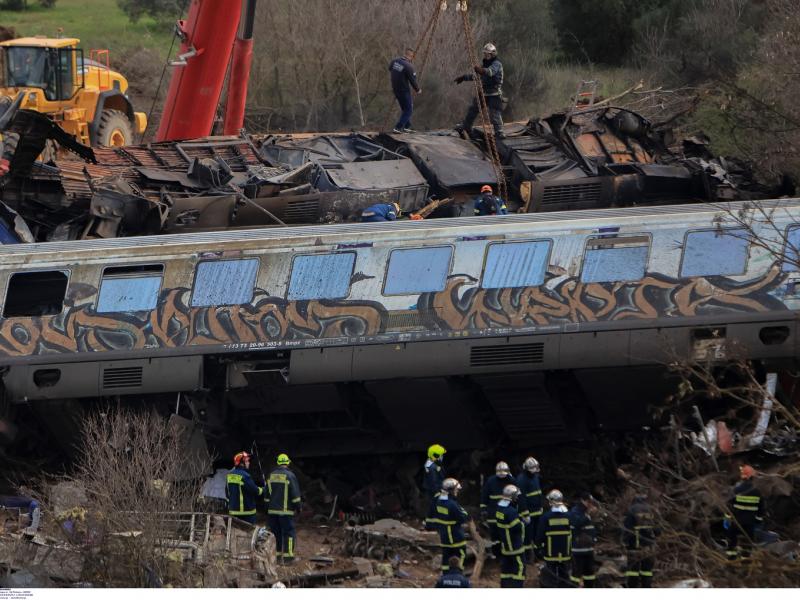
(376, 337)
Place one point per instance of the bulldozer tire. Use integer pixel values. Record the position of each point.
(114, 129)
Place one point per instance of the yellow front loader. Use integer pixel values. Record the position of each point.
(84, 96)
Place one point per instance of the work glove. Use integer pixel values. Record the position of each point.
(414, 217)
(479, 70)
(459, 79)
(726, 524)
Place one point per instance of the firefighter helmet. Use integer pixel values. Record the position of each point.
(490, 49)
(451, 486)
(511, 492)
(555, 497)
(283, 459)
(531, 465)
(240, 458)
(501, 468)
(435, 452)
(487, 189)
(747, 472)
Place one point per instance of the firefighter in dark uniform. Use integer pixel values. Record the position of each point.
(434, 472)
(492, 492)
(241, 491)
(453, 578)
(284, 498)
(746, 513)
(554, 543)
(531, 491)
(489, 204)
(447, 517)
(639, 533)
(584, 537)
(512, 538)
(379, 213)
(491, 73)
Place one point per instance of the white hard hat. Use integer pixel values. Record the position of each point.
(531, 464)
(502, 467)
(555, 497)
(511, 492)
(451, 485)
(490, 49)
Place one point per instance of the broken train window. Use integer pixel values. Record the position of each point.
(224, 282)
(130, 288)
(612, 259)
(321, 276)
(35, 294)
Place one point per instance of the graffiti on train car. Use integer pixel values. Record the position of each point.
(463, 306)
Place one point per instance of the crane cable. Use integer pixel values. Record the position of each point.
(426, 37)
(488, 129)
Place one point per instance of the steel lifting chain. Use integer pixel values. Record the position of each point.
(488, 130)
(426, 37)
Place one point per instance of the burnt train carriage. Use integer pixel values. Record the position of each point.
(514, 324)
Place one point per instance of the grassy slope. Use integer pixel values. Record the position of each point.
(98, 24)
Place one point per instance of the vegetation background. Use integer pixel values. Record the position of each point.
(322, 64)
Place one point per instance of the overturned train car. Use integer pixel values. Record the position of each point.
(533, 328)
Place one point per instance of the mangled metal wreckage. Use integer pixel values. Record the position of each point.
(600, 157)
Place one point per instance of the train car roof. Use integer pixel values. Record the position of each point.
(322, 235)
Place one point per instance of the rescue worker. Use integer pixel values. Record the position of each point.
(531, 491)
(554, 543)
(284, 498)
(434, 472)
(512, 538)
(584, 537)
(378, 213)
(404, 77)
(491, 74)
(240, 490)
(638, 536)
(447, 517)
(492, 492)
(489, 204)
(746, 513)
(453, 577)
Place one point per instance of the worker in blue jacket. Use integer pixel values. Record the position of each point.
(584, 538)
(532, 502)
(404, 78)
(434, 472)
(512, 538)
(453, 578)
(378, 213)
(554, 543)
(489, 204)
(240, 490)
(283, 500)
(492, 492)
(447, 517)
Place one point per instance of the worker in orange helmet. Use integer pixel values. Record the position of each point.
(745, 514)
(489, 204)
(241, 490)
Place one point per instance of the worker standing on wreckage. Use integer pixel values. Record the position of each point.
(490, 495)
(746, 514)
(404, 77)
(554, 543)
(511, 528)
(434, 472)
(584, 537)
(489, 204)
(447, 517)
(240, 489)
(491, 74)
(283, 499)
(639, 533)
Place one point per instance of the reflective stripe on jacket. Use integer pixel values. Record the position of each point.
(284, 492)
(241, 491)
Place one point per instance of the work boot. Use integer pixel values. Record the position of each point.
(407, 130)
(396, 130)
(459, 128)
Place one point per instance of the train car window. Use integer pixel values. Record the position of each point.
(791, 254)
(35, 294)
(224, 282)
(715, 252)
(129, 288)
(417, 270)
(515, 264)
(611, 259)
(321, 276)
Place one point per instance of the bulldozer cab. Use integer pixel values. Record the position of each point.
(49, 65)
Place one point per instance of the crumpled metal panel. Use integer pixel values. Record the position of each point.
(376, 175)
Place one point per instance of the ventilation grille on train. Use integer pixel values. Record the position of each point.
(518, 354)
(301, 210)
(122, 377)
(405, 319)
(579, 192)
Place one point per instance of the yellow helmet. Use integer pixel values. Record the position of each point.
(436, 451)
(283, 459)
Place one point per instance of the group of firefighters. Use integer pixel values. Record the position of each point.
(523, 524)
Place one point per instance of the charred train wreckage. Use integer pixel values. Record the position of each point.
(230, 276)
